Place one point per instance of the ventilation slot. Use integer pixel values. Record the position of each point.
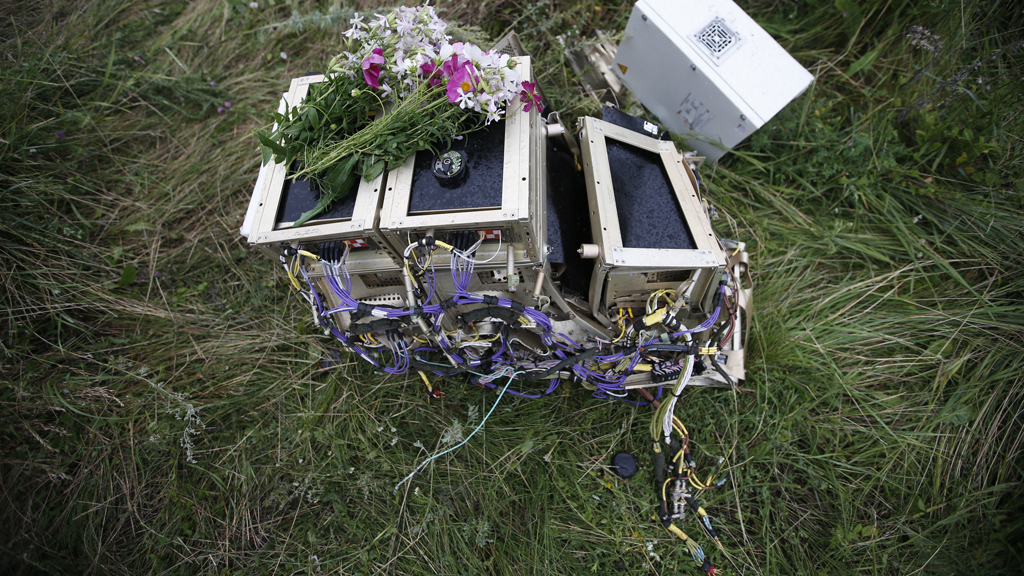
(498, 277)
(384, 300)
(717, 38)
(668, 276)
(383, 280)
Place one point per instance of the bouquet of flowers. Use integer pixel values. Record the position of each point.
(402, 86)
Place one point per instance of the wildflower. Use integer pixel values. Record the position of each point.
(60, 134)
(429, 71)
(466, 100)
(139, 59)
(254, 5)
(382, 23)
(462, 83)
(404, 27)
(354, 33)
(213, 83)
(356, 20)
(447, 50)
(284, 55)
(220, 110)
(493, 113)
(529, 95)
(371, 67)
(227, 104)
(508, 69)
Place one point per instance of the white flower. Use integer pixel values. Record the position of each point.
(284, 55)
(254, 5)
(380, 23)
(355, 33)
(357, 20)
(473, 52)
(466, 99)
(510, 76)
(400, 67)
(404, 27)
(446, 52)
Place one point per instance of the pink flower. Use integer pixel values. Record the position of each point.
(371, 67)
(529, 96)
(462, 82)
(430, 71)
(450, 67)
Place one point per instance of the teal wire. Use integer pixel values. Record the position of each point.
(460, 444)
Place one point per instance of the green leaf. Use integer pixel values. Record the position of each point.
(277, 149)
(335, 185)
(864, 62)
(128, 275)
(374, 170)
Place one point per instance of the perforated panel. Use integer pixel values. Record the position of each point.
(717, 38)
(382, 280)
(668, 276)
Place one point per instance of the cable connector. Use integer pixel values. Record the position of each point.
(671, 322)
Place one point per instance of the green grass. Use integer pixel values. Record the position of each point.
(884, 210)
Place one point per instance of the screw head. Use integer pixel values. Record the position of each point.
(693, 66)
(644, 16)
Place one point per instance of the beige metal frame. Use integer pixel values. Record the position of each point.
(620, 270)
(267, 233)
(523, 199)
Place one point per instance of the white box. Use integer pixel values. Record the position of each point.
(706, 70)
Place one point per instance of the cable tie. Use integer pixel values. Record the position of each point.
(517, 306)
(490, 300)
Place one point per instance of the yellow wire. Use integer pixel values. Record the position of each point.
(291, 274)
(623, 332)
(430, 388)
(675, 530)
